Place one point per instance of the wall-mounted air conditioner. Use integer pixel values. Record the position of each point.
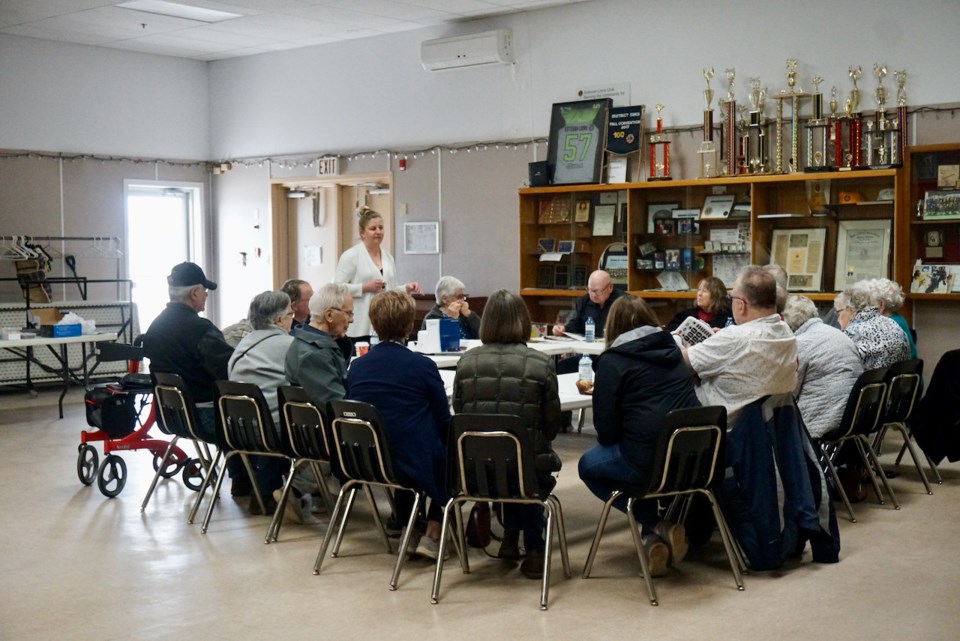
(475, 50)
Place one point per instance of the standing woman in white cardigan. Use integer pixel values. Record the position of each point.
(368, 269)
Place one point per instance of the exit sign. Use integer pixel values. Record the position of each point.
(328, 166)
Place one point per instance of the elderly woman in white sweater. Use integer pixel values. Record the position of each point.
(829, 364)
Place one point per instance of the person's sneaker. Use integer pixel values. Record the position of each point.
(292, 512)
(415, 537)
(430, 549)
(675, 537)
(658, 554)
(510, 545)
(532, 566)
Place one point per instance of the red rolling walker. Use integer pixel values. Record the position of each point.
(116, 410)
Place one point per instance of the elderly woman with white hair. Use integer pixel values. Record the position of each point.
(259, 359)
(828, 366)
(451, 303)
(879, 340)
(888, 297)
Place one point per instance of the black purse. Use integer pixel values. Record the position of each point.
(478, 525)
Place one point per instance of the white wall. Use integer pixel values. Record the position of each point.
(77, 99)
(373, 94)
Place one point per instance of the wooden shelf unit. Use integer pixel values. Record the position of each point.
(765, 194)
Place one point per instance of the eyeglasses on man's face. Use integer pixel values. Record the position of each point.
(599, 290)
(343, 311)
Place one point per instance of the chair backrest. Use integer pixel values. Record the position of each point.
(244, 420)
(303, 432)
(903, 386)
(864, 405)
(493, 457)
(174, 409)
(360, 442)
(688, 449)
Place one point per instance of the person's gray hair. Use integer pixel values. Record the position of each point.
(447, 286)
(180, 293)
(265, 307)
(330, 295)
(888, 291)
(780, 275)
(798, 310)
(859, 296)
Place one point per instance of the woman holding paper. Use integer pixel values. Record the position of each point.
(712, 306)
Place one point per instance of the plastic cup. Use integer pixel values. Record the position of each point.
(362, 348)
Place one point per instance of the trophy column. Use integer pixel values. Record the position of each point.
(708, 152)
(659, 151)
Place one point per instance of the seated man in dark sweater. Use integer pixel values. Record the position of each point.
(180, 342)
(594, 304)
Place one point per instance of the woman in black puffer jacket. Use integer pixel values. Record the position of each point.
(504, 376)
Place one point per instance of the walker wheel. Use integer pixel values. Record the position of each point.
(112, 475)
(87, 463)
(193, 474)
(172, 467)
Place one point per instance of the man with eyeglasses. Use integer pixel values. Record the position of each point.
(752, 359)
(314, 360)
(594, 304)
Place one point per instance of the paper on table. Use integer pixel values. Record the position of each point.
(672, 281)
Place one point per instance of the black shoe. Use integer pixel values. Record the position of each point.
(510, 546)
(268, 503)
(393, 526)
(532, 566)
(240, 486)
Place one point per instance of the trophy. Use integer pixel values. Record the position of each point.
(708, 153)
(817, 128)
(793, 94)
(730, 126)
(848, 127)
(659, 150)
(756, 129)
(898, 150)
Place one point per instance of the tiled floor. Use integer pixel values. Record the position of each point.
(75, 565)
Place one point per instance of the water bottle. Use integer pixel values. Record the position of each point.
(374, 339)
(589, 330)
(586, 369)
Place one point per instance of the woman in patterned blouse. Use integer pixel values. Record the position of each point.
(879, 340)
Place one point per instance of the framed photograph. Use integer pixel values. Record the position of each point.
(578, 135)
(582, 213)
(863, 251)
(941, 205)
(603, 220)
(673, 259)
(932, 279)
(565, 246)
(659, 211)
(800, 253)
(421, 238)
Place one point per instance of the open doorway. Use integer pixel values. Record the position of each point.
(164, 223)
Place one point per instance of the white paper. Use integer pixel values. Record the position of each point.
(311, 255)
(551, 257)
(672, 281)
(603, 217)
(617, 170)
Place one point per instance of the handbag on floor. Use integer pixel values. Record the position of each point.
(478, 525)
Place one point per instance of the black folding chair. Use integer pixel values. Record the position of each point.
(360, 449)
(686, 462)
(492, 456)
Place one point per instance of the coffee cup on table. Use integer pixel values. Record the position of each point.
(362, 348)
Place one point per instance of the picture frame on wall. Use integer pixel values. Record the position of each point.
(863, 251)
(421, 238)
(800, 253)
(578, 135)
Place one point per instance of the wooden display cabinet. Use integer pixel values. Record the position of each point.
(932, 239)
(847, 205)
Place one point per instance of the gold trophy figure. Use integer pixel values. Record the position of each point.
(855, 73)
(792, 76)
(833, 102)
(901, 76)
(708, 92)
(731, 73)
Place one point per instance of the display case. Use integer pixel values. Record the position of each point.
(827, 229)
(930, 223)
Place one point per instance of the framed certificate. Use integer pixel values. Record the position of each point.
(800, 253)
(421, 238)
(578, 135)
(863, 251)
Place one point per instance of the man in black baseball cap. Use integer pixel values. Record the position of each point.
(186, 274)
(180, 342)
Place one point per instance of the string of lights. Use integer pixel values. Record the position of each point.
(292, 161)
